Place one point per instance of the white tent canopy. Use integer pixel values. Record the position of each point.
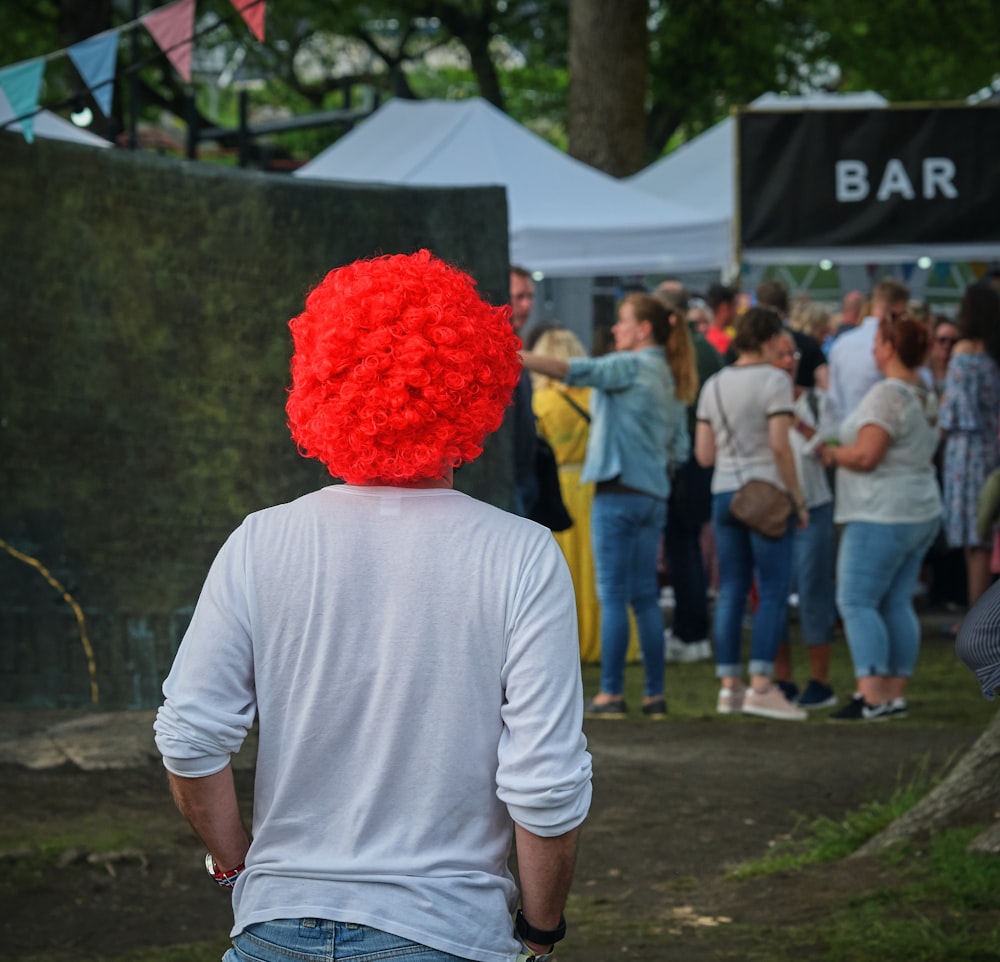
(566, 219)
(701, 173)
(52, 126)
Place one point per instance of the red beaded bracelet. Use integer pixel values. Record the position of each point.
(227, 879)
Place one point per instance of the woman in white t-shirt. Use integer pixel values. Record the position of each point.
(889, 502)
(745, 412)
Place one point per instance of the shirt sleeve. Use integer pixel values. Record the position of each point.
(612, 372)
(883, 405)
(780, 396)
(209, 702)
(544, 770)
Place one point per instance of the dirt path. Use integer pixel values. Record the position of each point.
(675, 805)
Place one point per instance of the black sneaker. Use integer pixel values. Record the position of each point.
(898, 708)
(817, 695)
(789, 689)
(857, 709)
(609, 709)
(655, 709)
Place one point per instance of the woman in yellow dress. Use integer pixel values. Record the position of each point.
(562, 416)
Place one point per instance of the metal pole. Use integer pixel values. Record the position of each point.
(244, 136)
(133, 122)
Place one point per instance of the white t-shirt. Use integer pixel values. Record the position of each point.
(903, 488)
(749, 396)
(815, 409)
(412, 657)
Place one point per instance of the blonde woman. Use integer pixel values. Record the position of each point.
(562, 415)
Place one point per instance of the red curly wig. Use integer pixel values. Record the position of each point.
(400, 370)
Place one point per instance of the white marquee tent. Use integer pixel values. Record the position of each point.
(701, 173)
(566, 219)
(52, 126)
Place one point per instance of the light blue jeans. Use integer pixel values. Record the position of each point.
(815, 563)
(877, 569)
(626, 529)
(304, 940)
(742, 553)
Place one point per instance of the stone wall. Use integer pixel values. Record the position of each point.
(144, 353)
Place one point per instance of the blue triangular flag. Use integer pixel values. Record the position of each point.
(95, 59)
(21, 83)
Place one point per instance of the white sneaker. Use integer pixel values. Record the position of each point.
(686, 652)
(730, 700)
(771, 703)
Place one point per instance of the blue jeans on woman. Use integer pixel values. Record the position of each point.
(742, 553)
(815, 563)
(626, 529)
(877, 569)
(300, 940)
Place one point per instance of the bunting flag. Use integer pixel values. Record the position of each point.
(252, 11)
(95, 60)
(172, 27)
(21, 83)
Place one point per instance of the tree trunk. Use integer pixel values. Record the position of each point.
(608, 61)
(973, 782)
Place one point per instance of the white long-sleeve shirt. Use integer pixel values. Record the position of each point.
(412, 656)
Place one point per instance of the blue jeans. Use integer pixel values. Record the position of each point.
(877, 570)
(742, 553)
(815, 562)
(302, 940)
(626, 529)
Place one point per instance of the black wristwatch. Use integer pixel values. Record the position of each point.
(527, 931)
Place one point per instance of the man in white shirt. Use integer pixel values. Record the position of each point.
(852, 366)
(410, 655)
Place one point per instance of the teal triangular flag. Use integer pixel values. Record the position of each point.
(95, 59)
(21, 83)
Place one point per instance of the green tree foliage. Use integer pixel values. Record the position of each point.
(704, 55)
(917, 50)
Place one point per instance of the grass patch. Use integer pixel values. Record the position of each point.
(943, 910)
(826, 839)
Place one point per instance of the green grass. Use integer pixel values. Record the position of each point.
(942, 907)
(826, 839)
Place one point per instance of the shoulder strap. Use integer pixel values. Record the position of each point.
(729, 431)
(576, 407)
(813, 403)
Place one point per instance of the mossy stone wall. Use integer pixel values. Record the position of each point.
(144, 354)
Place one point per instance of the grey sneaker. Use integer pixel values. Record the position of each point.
(610, 709)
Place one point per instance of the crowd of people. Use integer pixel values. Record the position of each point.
(878, 421)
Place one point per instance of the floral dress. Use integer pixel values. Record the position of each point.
(970, 411)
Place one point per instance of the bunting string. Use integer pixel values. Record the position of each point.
(171, 27)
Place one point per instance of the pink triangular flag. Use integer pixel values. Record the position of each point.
(252, 12)
(172, 27)
(21, 83)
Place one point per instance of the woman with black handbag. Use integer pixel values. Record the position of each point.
(638, 428)
(745, 413)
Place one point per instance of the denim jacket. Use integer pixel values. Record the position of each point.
(638, 427)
